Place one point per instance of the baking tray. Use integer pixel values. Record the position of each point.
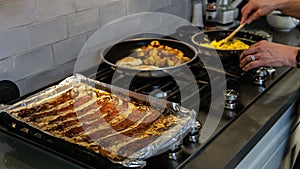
(175, 134)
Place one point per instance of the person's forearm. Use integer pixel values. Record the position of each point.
(290, 7)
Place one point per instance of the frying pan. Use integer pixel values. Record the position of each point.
(207, 36)
(112, 54)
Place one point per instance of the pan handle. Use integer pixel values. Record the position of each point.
(3, 106)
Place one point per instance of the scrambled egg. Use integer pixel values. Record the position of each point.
(234, 44)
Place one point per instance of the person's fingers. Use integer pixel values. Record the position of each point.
(261, 59)
(246, 10)
(253, 49)
(244, 61)
(249, 58)
(249, 51)
(251, 65)
(255, 15)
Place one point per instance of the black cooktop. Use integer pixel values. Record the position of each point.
(249, 86)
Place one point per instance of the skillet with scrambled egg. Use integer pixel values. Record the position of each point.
(208, 44)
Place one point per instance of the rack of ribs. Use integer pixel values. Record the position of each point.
(98, 120)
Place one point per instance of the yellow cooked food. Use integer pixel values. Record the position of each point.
(234, 44)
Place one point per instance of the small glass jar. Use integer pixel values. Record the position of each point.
(211, 14)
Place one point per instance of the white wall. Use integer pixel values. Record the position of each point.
(40, 39)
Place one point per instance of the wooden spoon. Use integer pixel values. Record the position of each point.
(232, 34)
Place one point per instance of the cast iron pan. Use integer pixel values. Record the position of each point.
(125, 48)
(208, 36)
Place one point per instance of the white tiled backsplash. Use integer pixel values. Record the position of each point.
(41, 39)
(48, 32)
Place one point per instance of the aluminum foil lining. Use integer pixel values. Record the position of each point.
(185, 117)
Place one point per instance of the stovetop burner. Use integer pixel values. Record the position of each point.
(165, 88)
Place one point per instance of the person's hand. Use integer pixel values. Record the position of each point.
(265, 53)
(257, 8)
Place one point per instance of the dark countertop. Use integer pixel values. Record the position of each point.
(234, 143)
(291, 37)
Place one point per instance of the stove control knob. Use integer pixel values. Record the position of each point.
(231, 97)
(175, 151)
(260, 76)
(261, 72)
(194, 133)
(271, 71)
